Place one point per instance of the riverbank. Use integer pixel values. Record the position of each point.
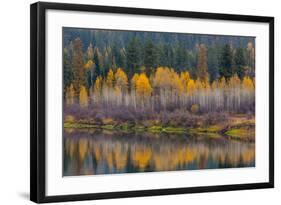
(240, 127)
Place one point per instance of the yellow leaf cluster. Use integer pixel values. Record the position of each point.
(234, 81)
(98, 85)
(191, 86)
(121, 79)
(110, 78)
(83, 97)
(89, 65)
(248, 83)
(143, 87)
(166, 78)
(134, 80)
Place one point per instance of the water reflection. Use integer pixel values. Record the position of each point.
(103, 152)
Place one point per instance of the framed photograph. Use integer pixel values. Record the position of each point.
(129, 102)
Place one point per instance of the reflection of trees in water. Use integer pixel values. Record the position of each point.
(98, 152)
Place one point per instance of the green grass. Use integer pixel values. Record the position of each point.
(240, 133)
(244, 130)
(174, 129)
(79, 125)
(210, 129)
(107, 127)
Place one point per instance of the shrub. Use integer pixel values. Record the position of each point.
(194, 108)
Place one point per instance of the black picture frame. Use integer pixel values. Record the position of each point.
(38, 101)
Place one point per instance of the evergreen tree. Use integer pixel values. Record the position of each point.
(133, 55)
(123, 59)
(78, 66)
(213, 62)
(180, 57)
(225, 69)
(67, 70)
(240, 61)
(97, 64)
(151, 56)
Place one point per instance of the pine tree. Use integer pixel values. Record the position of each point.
(89, 70)
(226, 62)
(133, 54)
(67, 70)
(151, 56)
(240, 62)
(97, 64)
(78, 66)
(213, 62)
(180, 57)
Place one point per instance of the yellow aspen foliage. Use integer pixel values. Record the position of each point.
(121, 80)
(176, 83)
(70, 93)
(222, 83)
(248, 83)
(110, 78)
(98, 85)
(143, 87)
(234, 82)
(185, 77)
(206, 85)
(89, 65)
(198, 85)
(162, 78)
(191, 87)
(83, 97)
(134, 80)
(166, 78)
(215, 85)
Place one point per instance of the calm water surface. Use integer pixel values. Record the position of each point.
(92, 152)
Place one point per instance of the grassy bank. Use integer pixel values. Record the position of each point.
(239, 127)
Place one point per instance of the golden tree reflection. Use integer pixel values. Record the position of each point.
(112, 153)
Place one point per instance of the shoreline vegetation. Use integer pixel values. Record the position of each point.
(239, 127)
(139, 85)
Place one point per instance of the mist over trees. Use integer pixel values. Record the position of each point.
(158, 71)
